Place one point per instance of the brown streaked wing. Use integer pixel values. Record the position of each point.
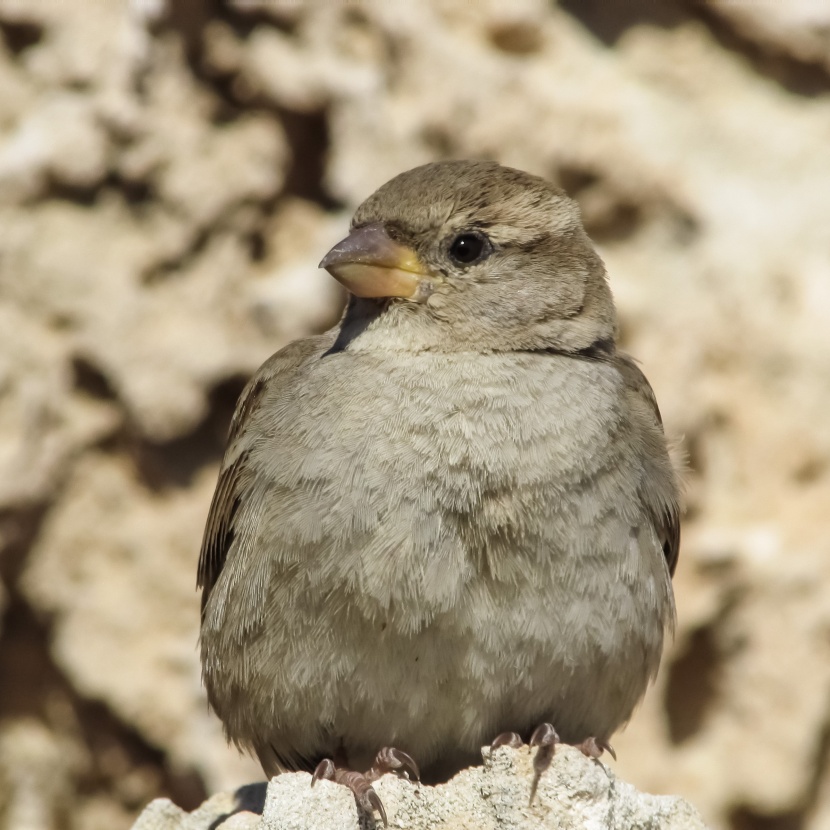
(669, 519)
(219, 530)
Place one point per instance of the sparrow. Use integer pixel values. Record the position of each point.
(452, 519)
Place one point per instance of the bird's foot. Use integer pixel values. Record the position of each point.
(545, 738)
(594, 747)
(388, 759)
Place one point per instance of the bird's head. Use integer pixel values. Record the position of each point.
(471, 256)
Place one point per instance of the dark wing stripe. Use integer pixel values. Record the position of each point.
(219, 531)
(669, 520)
(248, 401)
(671, 545)
(219, 527)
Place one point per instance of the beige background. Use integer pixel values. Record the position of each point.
(170, 173)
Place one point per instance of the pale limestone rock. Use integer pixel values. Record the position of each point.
(800, 28)
(42, 424)
(60, 142)
(574, 793)
(36, 768)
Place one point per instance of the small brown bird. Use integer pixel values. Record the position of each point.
(454, 515)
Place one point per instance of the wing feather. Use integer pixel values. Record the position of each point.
(659, 488)
(236, 466)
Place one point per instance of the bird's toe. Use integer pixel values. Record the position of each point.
(594, 747)
(394, 760)
(368, 801)
(512, 739)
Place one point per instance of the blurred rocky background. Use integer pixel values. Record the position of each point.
(170, 174)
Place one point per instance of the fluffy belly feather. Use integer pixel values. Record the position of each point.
(481, 566)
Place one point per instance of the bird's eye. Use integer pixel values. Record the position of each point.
(469, 248)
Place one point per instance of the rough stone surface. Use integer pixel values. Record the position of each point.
(171, 173)
(574, 793)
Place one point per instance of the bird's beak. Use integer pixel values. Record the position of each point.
(371, 264)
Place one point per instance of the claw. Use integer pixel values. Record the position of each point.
(373, 802)
(394, 760)
(325, 770)
(506, 739)
(594, 747)
(545, 737)
(368, 801)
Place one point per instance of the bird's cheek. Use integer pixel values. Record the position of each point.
(447, 298)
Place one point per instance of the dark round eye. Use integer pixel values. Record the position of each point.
(469, 247)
